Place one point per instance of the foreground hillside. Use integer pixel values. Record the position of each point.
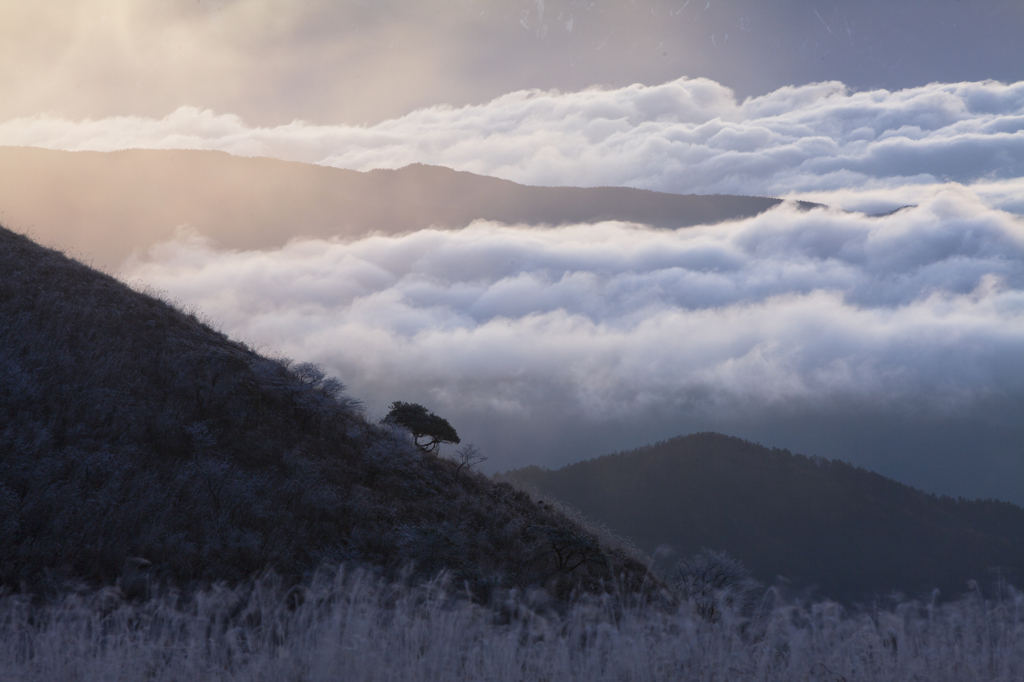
(104, 205)
(848, 532)
(135, 438)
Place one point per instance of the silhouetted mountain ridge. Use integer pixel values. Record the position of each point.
(849, 532)
(105, 205)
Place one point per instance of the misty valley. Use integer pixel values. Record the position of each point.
(512, 340)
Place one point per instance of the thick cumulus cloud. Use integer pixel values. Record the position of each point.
(687, 136)
(920, 312)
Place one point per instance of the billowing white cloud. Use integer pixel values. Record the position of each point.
(922, 308)
(881, 196)
(688, 136)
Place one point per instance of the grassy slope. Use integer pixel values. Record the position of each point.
(130, 429)
(846, 530)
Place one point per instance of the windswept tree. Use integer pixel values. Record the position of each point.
(427, 429)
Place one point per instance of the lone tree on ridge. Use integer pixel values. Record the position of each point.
(422, 425)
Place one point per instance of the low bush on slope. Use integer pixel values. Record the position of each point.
(130, 429)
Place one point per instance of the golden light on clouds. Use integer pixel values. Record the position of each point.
(267, 60)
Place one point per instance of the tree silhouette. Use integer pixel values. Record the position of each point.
(468, 456)
(422, 425)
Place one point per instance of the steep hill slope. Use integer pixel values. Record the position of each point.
(104, 205)
(129, 430)
(848, 531)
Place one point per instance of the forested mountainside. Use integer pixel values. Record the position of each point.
(104, 205)
(133, 435)
(847, 532)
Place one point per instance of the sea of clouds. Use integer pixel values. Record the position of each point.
(533, 339)
(799, 313)
(923, 304)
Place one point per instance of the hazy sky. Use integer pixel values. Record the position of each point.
(894, 342)
(356, 61)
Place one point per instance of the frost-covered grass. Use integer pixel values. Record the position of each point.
(353, 627)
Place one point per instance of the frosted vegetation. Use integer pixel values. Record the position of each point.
(134, 438)
(352, 627)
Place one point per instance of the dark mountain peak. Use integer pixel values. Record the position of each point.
(848, 532)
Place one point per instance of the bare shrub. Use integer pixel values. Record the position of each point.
(467, 457)
(712, 581)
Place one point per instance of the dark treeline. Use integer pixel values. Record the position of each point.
(136, 439)
(847, 532)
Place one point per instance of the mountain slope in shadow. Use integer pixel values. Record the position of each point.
(105, 205)
(131, 434)
(847, 532)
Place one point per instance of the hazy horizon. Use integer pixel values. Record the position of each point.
(892, 342)
(366, 61)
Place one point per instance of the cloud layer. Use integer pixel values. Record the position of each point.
(686, 136)
(918, 312)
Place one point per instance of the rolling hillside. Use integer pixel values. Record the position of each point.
(846, 532)
(132, 435)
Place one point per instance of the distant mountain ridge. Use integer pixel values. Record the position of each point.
(104, 205)
(847, 532)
